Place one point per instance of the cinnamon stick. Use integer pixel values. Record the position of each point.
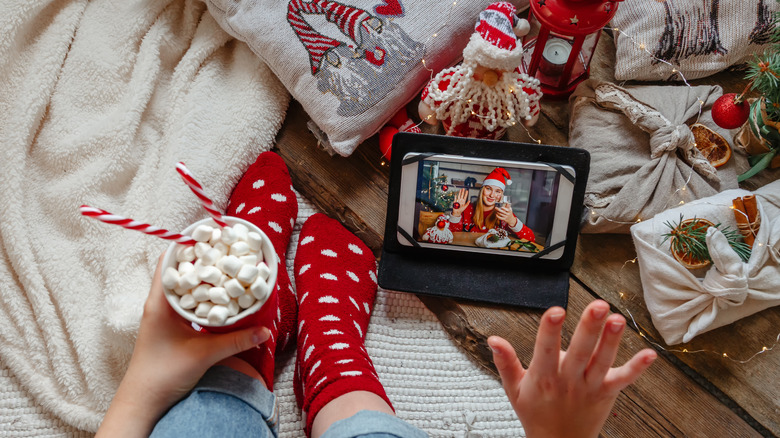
(751, 207)
(744, 219)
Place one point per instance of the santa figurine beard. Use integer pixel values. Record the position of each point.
(486, 94)
(470, 92)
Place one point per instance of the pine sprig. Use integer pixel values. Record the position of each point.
(691, 238)
(764, 72)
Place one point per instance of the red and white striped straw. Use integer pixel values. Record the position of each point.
(131, 224)
(198, 190)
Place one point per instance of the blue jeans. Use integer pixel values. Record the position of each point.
(228, 403)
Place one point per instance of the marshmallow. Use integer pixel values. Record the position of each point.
(210, 274)
(245, 301)
(241, 232)
(216, 236)
(218, 315)
(233, 308)
(255, 240)
(201, 293)
(222, 248)
(263, 271)
(247, 274)
(187, 302)
(170, 278)
(180, 291)
(185, 253)
(260, 289)
(230, 265)
(201, 248)
(222, 280)
(229, 236)
(218, 295)
(239, 248)
(189, 280)
(202, 233)
(185, 267)
(211, 257)
(203, 308)
(234, 288)
(249, 259)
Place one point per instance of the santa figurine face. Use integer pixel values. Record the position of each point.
(491, 195)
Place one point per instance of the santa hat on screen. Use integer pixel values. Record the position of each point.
(499, 177)
(494, 43)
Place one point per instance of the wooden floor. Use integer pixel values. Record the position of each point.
(683, 394)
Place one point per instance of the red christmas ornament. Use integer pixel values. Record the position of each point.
(456, 205)
(444, 188)
(728, 113)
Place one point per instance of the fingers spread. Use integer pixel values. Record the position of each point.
(606, 350)
(618, 378)
(508, 365)
(585, 338)
(548, 344)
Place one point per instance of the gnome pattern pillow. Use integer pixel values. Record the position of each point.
(353, 64)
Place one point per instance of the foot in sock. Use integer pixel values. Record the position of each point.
(265, 197)
(335, 276)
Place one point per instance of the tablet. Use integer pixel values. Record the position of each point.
(482, 220)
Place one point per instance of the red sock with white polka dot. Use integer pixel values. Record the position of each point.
(265, 197)
(335, 275)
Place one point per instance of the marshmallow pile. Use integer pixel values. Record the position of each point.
(220, 275)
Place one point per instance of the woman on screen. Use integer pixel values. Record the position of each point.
(484, 214)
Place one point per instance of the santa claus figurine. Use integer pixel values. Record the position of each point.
(439, 233)
(486, 93)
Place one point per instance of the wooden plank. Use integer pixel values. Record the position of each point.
(664, 402)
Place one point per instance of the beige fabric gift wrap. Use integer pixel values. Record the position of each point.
(643, 152)
(685, 303)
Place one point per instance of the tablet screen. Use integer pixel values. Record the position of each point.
(481, 205)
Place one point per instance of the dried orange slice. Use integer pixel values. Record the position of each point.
(682, 255)
(712, 145)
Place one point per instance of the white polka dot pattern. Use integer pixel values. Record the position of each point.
(257, 184)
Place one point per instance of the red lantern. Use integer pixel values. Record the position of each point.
(562, 40)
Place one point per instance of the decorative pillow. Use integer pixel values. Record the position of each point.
(698, 37)
(352, 66)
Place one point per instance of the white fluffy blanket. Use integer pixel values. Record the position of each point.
(99, 100)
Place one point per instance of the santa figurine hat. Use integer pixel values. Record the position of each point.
(499, 177)
(494, 43)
